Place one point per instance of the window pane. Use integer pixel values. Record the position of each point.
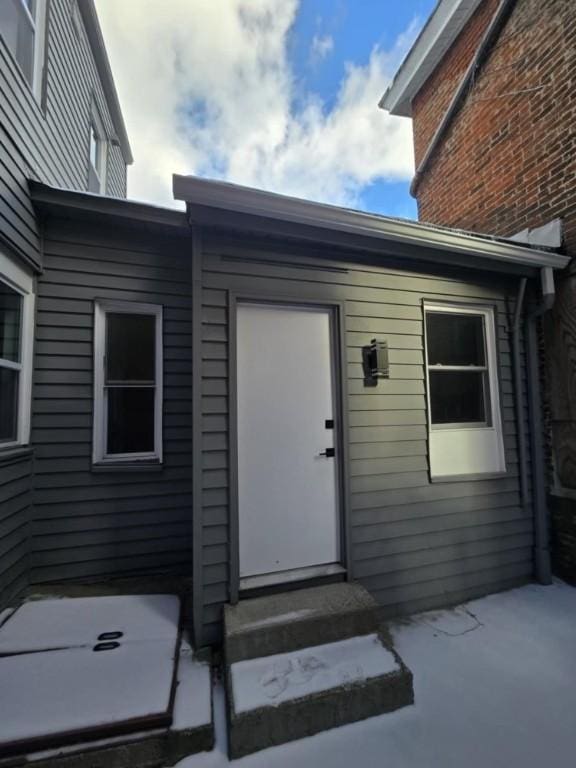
(10, 323)
(18, 33)
(8, 405)
(130, 420)
(455, 339)
(130, 347)
(457, 397)
(94, 149)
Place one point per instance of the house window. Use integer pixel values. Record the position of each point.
(16, 336)
(128, 382)
(97, 155)
(22, 28)
(465, 430)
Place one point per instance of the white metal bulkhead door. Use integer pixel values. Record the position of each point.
(287, 495)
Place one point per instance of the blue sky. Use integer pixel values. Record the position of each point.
(277, 94)
(355, 27)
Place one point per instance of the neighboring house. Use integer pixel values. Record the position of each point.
(263, 392)
(489, 85)
(60, 123)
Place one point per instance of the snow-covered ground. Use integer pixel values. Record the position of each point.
(56, 673)
(495, 686)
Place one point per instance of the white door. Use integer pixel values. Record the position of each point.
(286, 489)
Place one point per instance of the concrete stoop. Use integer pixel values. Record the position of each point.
(306, 661)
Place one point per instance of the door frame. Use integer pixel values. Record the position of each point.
(341, 433)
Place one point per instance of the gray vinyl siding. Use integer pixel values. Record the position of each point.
(414, 544)
(49, 142)
(95, 524)
(15, 511)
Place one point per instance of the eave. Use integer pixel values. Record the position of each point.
(94, 33)
(219, 204)
(68, 203)
(441, 29)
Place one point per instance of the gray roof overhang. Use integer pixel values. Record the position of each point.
(99, 208)
(230, 206)
(94, 33)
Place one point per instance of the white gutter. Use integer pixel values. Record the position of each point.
(440, 31)
(203, 193)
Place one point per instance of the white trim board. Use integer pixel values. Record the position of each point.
(20, 279)
(466, 449)
(99, 455)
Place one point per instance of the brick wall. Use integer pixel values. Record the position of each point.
(432, 101)
(508, 162)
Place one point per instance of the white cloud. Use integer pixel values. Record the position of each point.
(207, 88)
(321, 46)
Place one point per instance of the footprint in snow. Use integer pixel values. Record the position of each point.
(308, 666)
(276, 679)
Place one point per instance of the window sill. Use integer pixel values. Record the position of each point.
(14, 453)
(128, 466)
(470, 478)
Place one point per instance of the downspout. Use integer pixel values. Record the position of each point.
(490, 34)
(541, 532)
(519, 397)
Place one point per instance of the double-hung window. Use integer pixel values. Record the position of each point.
(22, 28)
(127, 382)
(465, 429)
(16, 336)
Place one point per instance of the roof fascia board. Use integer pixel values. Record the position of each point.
(442, 28)
(94, 33)
(339, 241)
(202, 194)
(55, 200)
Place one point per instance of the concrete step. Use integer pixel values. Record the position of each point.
(277, 699)
(298, 619)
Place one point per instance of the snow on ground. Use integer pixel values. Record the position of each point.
(271, 680)
(45, 691)
(65, 622)
(495, 688)
(193, 704)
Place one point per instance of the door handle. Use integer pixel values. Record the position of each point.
(329, 453)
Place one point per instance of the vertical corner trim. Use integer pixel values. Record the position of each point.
(197, 512)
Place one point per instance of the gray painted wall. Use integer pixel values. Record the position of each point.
(49, 142)
(415, 545)
(87, 523)
(15, 505)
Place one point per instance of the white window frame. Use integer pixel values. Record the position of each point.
(38, 24)
(457, 450)
(97, 125)
(99, 455)
(22, 281)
